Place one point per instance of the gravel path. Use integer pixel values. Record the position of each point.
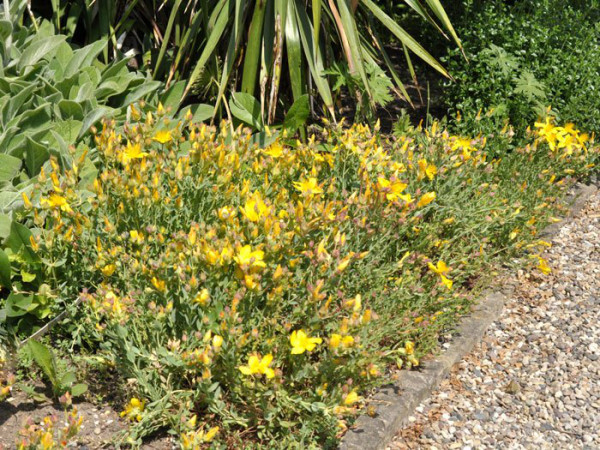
(534, 381)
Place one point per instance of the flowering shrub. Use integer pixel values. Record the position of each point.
(255, 294)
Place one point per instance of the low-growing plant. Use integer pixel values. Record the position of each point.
(254, 295)
(62, 379)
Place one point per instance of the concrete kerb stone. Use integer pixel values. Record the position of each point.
(394, 403)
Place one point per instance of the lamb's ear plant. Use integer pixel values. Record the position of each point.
(51, 96)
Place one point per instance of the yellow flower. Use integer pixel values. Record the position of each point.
(133, 151)
(202, 298)
(275, 150)
(308, 187)
(260, 366)
(351, 398)
(26, 201)
(426, 199)
(136, 237)
(57, 201)
(163, 136)
(335, 340)
(440, 268)
(47, 441)
(217, 341)
(252, 259)
(108, 270)
(302, 343)
(426, 170)
(347, 341)
(226, 213)
(210, 434)
(543, 266)
(255, 208)
(447, 282)
(134, 409)
(392, 189)
(159, 285)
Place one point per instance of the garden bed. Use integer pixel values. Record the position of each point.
(247, 295)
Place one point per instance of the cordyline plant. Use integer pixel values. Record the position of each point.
(274, 50)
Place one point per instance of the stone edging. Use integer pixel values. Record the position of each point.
(395, 403)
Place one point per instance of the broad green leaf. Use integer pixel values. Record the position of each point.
(19, 240)
(141, 91)
(79, 389)
(200, 112)
(34, 120)
(9, 167)
(35, 156)
(16, 102)
(5, 28)
(246, 108)
(4, 270)
(297, 115)
(5, 222)
(68, 378)
(172, 97)
(45, 359)
(27, 277)
(70, 109)
(93, 117)
(18, 305)
(84, 57)
(68, 130)
(42, 49)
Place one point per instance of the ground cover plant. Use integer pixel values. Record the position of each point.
(253, 295)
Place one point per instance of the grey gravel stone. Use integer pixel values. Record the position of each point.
(548, 342)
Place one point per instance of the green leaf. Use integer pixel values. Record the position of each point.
(6, 28)
(172, 97)
(19, 239)
(27, 277)
(70, 108)
(17, 305)
(403, 36)
(246, 108)
(43, 48)
(45, 359)
(297, 115)
(9, 167)
(4, 270)
(200, 112)
(141, 91)
(252, 55)
(35, 156)
(93, 117)
(222, 9)
(68, 378)
(79, 389)
(84, 57)
(5, 223)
